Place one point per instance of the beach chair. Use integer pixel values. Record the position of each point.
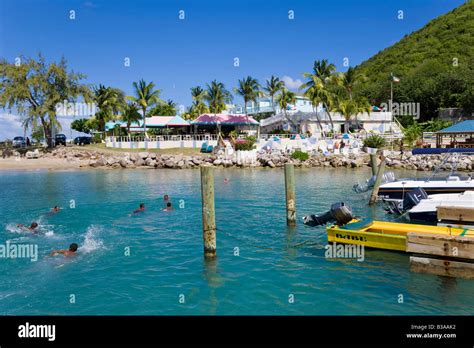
(32, 154)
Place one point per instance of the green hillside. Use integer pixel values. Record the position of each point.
(435, 65)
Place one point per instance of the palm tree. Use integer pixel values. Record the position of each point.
(315, 93)
(350, 80)
(323, 78)
(109, 101)
(273, 86)
(249, 90)
(284, 98)
(145, 96)
(217, 96)
(199, 95)
(130, 115)
(348, 108)
(167, 108)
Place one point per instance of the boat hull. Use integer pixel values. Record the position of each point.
(386, 235)
(398, 193)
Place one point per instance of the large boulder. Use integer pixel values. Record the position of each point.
(169, 163)
(143, 155)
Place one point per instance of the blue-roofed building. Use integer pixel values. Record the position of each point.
(461, 135)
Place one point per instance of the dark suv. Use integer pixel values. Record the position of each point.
(60, 139)
(82, 141)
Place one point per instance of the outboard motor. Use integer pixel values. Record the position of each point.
(366, 186)
(412, 198)
(339, 213)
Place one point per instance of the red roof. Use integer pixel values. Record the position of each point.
(229, 119)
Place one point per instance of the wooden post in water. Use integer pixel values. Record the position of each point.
(208, 212)
(290, 194)
(373, 163)
(378, 179)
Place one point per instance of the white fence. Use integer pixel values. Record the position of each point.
(192, 141)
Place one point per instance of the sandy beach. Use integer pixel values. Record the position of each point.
(24, 164)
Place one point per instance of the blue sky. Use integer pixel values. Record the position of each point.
(178, 54)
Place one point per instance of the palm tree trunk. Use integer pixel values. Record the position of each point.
(319, 121)
(329, 115)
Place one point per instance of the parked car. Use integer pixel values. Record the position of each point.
(19, 142)
(82, 140)
(60, 139)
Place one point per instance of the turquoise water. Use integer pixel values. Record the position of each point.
(166, 262)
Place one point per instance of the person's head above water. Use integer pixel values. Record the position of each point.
(168, 205)
(33, 225)
(73, 247)
(142, 205)
(166, 197)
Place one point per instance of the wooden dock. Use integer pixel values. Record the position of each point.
(451, 256)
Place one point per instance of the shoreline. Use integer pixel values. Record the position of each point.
(82, 158)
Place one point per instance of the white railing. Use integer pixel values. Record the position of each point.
(155, 138)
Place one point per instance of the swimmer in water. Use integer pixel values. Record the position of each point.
(166, 198)
(32, 227)
(140, 209)
(70, 252)
(168, 207)
(56, 209)
(226, 181)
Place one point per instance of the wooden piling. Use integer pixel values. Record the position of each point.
(446, 268)
(373, 163)
(208, 212)
(290, 195)
(375, 191)
(450, 256)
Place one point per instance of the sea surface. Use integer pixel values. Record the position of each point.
(152, 263)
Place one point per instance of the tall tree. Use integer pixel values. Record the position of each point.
(168, 108)
(350, 80)
(198, 107)
(285, 98)
(217, 96)
(145, 96)
(110, 102)
(34, 89)
(351, 108)
(322, 78)
(249, 90)
(273, 86)
(130, 115)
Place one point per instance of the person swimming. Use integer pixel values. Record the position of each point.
(66, 252)
(32, 228)
(140, 209)
(55, 209)
(166, 198)
(168, 207)
(226, 181)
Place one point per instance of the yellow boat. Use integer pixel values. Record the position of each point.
(386, 235)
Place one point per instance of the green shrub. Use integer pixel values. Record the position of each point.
(96, 138)
(374, 141)
(300, 155)
(246, 144)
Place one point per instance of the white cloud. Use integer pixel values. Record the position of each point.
(10, 126)
(290, 83)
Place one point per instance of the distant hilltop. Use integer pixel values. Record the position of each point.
(444, 46)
